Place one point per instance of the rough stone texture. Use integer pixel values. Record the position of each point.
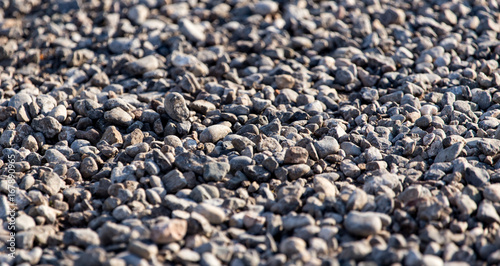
(155, 132)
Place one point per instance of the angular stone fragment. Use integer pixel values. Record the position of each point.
(450, 153)
(174, 181)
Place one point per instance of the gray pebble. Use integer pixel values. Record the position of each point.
(176, 108)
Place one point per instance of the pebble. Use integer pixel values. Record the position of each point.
(138, 14)
(328, 145)
(362, 224)
(214, 133)
(141, 66)
(142, 250)
(393, 16)
(213, 214)
(169, 231)
(192, 32)
(176, 108)
(284, 81)
(82, 237)
(296, 155)
(49, 126)
(492, 192)
(450, 153)
(215, 171)
(292, 246)
(88, 167)
(174, 181)
(202, 106)
(325, 186)
(118, 117)
(476, 176)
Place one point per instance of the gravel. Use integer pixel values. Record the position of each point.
(250, 132)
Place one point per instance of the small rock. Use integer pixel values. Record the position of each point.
(112, 135)
(202, 106)
(492, 192)
(214, 215)
(344, 76)
(292, 246)
(82, 237)
(450, 153)
(49, 126)
(193, 32)
(265, 7)
(174, 181)
(88, 167)
(122, 212)
(118, 117)
(171, 231)
(143, 65)
(362, 224)
(328, 145)
(296, 155)
(476, 176)
(215, 171)
(214, 133)
(176, 108)
(284, 81)
(393, 16)
(138, 14)
(143, 250)
(325, 186)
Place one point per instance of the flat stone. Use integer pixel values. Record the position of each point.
(202, 106)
